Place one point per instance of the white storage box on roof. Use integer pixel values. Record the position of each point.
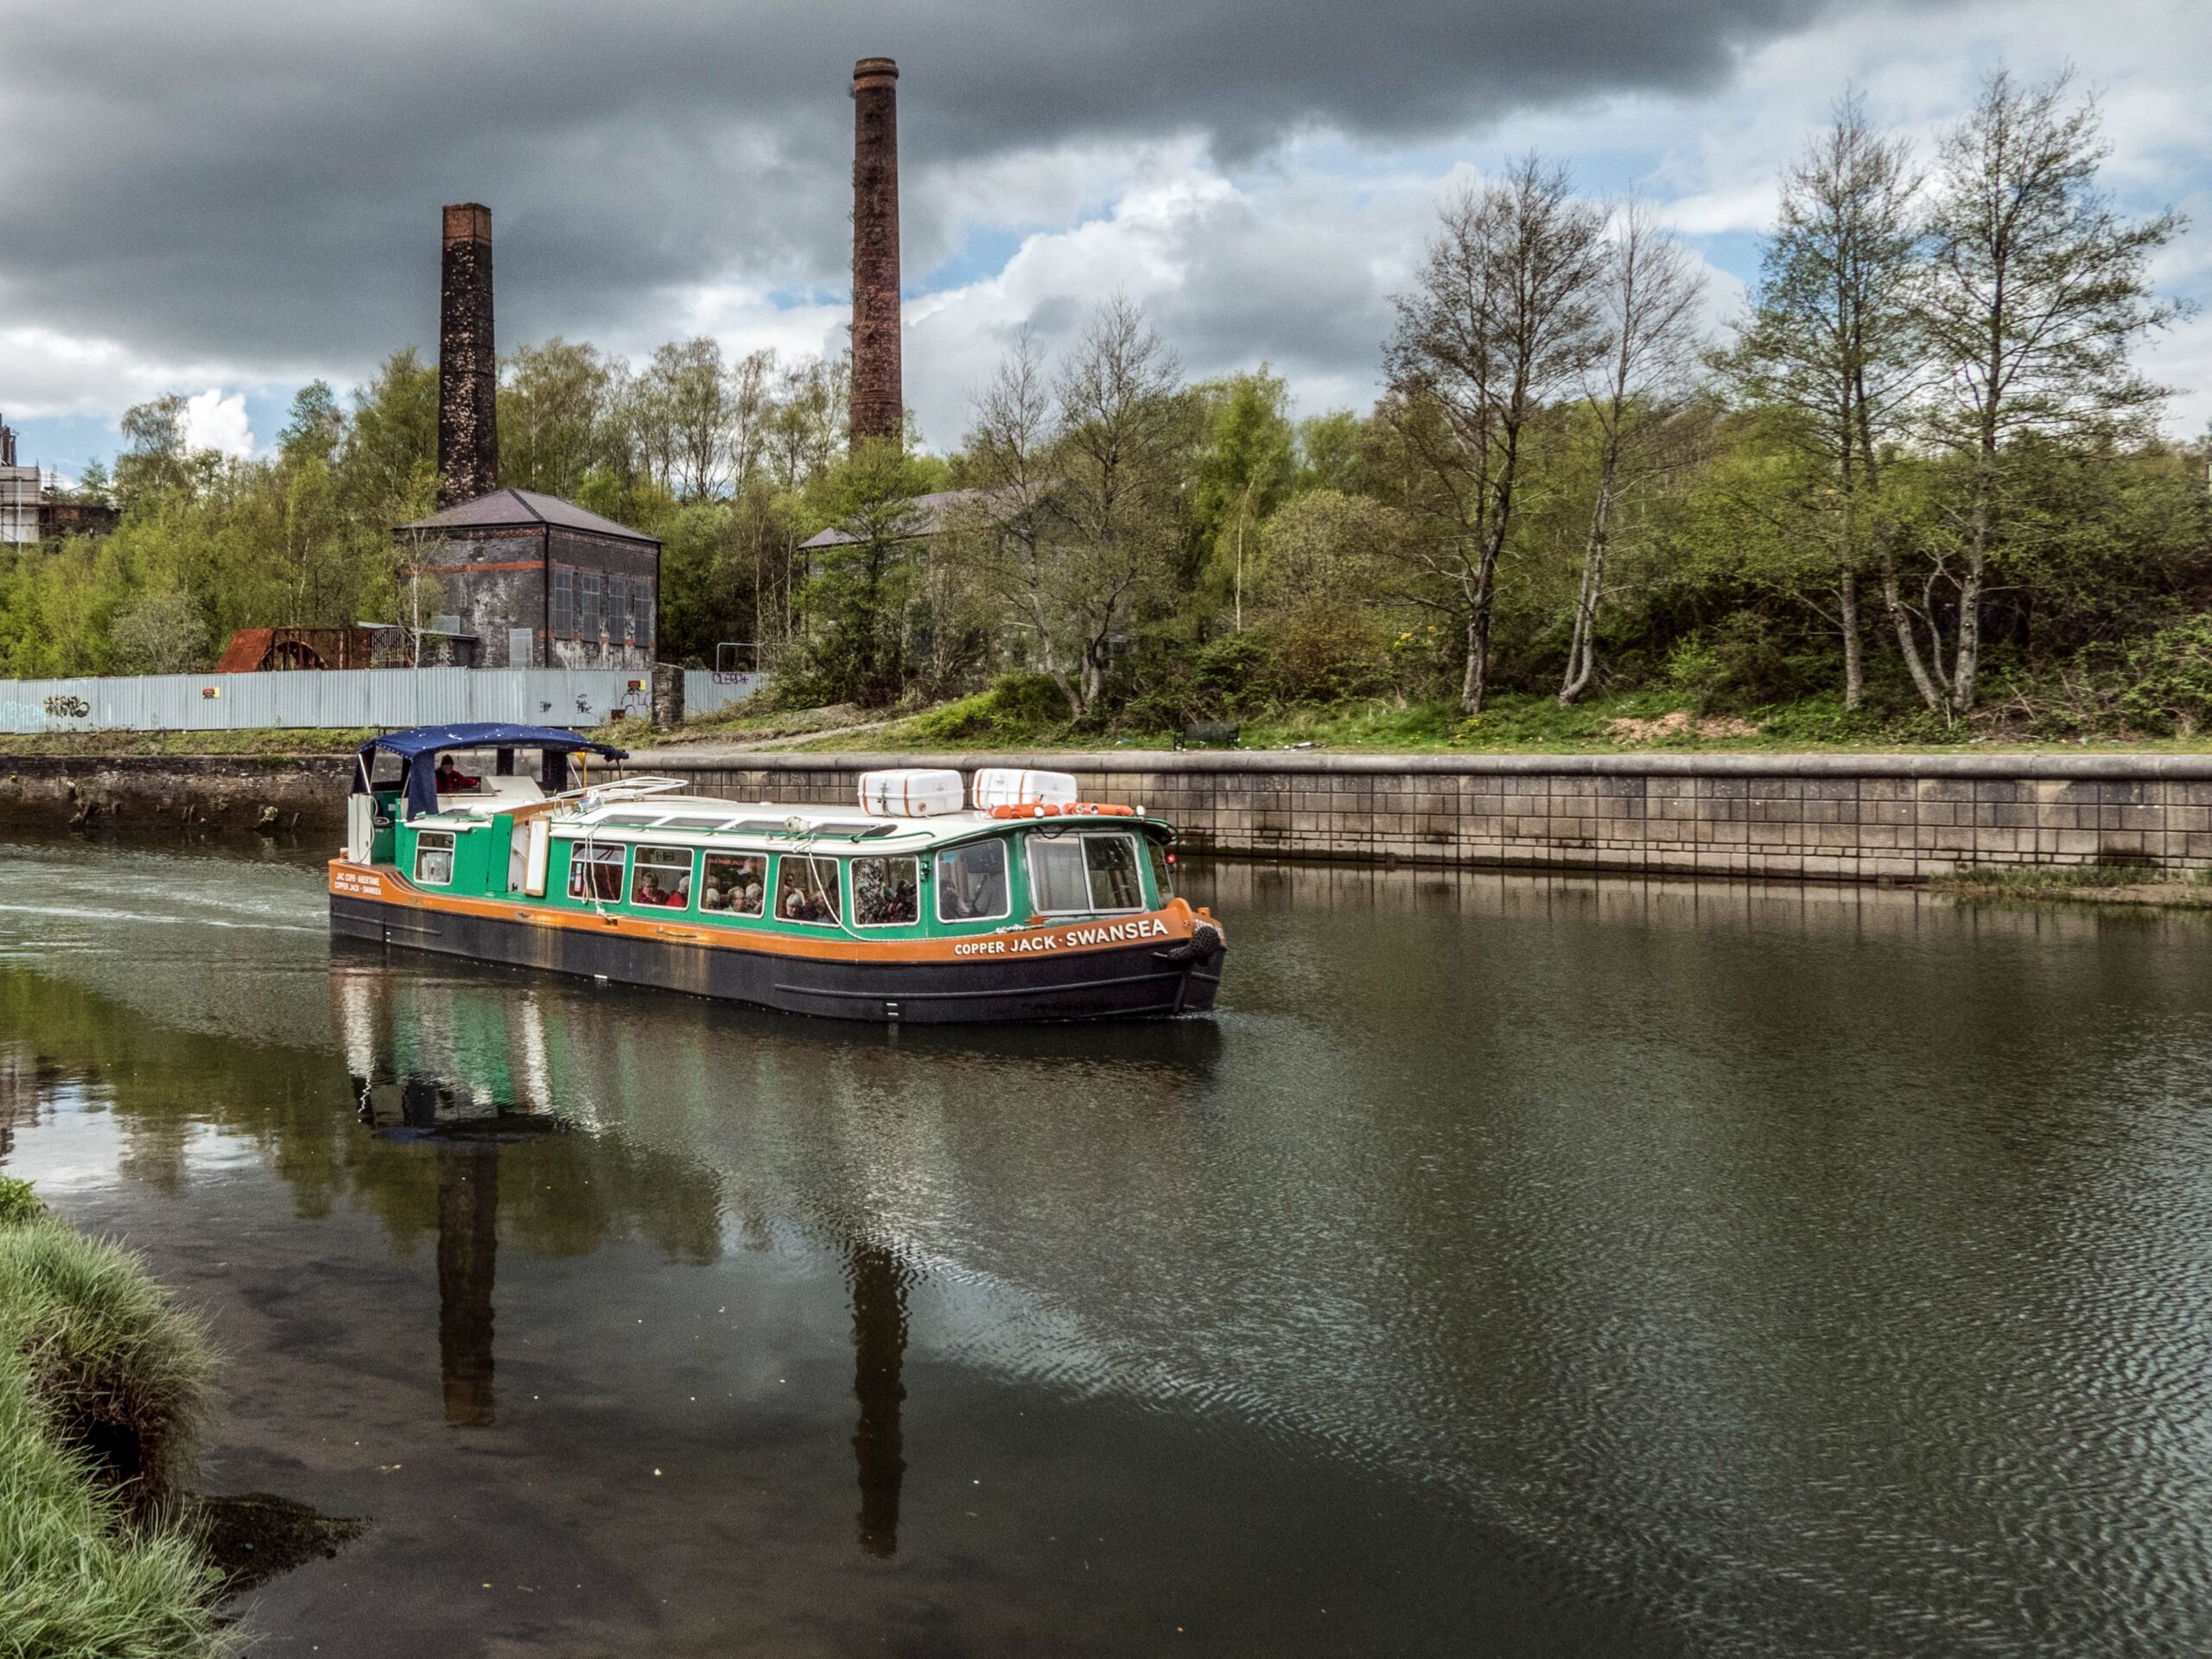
(910, 792)
(1007, 786)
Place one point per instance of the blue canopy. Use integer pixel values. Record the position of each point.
(421, 787)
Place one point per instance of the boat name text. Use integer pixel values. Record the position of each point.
(1147, 927)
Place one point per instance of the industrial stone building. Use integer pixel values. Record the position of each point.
(19, 494)
(529, 581)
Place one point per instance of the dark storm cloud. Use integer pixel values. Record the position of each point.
(258, 183)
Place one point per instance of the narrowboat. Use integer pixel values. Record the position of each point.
(932, 900)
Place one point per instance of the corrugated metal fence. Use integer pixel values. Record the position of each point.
(348, 698)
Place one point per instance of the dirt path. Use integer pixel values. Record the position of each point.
(791, 739)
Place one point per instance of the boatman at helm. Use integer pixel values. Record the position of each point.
(452, 780)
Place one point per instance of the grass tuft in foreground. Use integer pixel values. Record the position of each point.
(101, 1381)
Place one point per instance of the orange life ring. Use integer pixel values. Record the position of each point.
(1099, 808)
(1027, 810)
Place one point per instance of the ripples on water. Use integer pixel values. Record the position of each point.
(1582, 1266)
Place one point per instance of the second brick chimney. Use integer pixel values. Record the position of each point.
(879, 408)
(468, 364)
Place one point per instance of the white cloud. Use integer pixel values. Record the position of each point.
(1293, 259)
(217, 420)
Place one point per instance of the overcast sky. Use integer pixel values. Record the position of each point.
(229, 198)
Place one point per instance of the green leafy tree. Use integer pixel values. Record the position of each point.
(1247, 465)
(1830, 355)
(1502, 322)
(2037, 289)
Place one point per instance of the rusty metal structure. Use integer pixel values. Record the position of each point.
(468, 366)
(879, 406)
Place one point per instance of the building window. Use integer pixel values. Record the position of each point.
(433, 858)
(618, 606)
(641, 613)
(587, 604)
(562, 608)
(660, 877)
(595, 872)
(736, 886)
(886, 892)
(806, 890)
(972, 882)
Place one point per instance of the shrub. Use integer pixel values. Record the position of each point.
(1017, 707)
(2171, 673)
(18, 1203)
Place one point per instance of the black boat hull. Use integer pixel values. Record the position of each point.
(1153, 980)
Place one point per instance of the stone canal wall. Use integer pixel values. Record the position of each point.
(1834, 816)
(135, 791)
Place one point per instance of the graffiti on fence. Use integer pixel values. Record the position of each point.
(68, 709)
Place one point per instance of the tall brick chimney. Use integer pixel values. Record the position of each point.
(468, 366)
(879, 396)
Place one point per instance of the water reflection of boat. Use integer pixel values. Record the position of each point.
(910, 908)
(464, 1073)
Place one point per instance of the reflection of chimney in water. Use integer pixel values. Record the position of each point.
(879, 1285)
(468, 1257)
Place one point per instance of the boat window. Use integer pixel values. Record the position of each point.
(1113, 864)
(972, 882)
(1057, 884)
(1163, 868)
(734, 885)
(886, 892)
(1073, 874)
(806, 890)
(433, 857)
(596, 872)
(660, 877)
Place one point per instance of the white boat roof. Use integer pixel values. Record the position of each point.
(686, 820)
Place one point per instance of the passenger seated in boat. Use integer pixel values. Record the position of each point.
(452, 780)
(733, 884)
(661, 878)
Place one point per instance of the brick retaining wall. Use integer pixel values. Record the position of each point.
(1836, 816)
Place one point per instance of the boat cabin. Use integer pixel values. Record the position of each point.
(470, 822)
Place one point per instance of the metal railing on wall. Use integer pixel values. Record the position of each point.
(350, 698)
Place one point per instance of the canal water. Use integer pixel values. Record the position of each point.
(1514, 1265)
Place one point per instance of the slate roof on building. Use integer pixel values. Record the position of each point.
(932, 513)
(526, 509)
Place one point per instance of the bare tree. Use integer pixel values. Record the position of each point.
(1002, 533)
(1116, 512)
(1649, 293)
(1503, 323)
(748, 404)
(2037, 290)
(1830, 347)
(687, 388)
(805, 427)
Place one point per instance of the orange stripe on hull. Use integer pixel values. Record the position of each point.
(1173, 921)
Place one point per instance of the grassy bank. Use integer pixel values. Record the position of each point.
(2088, 884)
(1022, 715)
(274, 742)
(102, 1379)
